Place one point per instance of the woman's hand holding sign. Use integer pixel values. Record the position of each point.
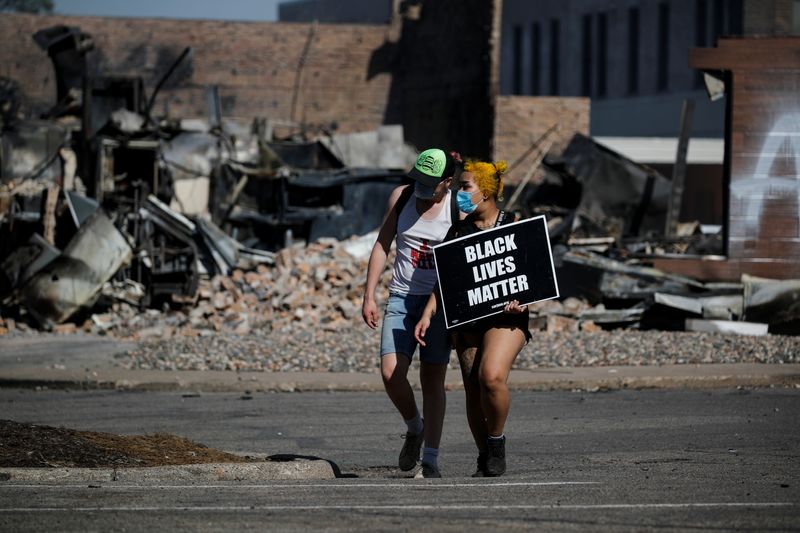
(514, 307)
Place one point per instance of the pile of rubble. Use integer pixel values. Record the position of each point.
(303, 314)
(217, 245)
(104, 205)
(297, 313)
(318, 286)
(609, 221)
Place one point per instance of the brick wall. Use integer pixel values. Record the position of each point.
(445, 75)
(254, 64)
(768, 17)
(521, 120)
(436, 72)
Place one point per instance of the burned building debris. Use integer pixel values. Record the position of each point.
(75, 278)
(607, 217)
(102, 200)
(104, 203)
(632, 198)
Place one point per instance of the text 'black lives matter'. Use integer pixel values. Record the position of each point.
(480, 273)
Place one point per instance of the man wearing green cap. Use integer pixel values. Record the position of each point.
(417, 219)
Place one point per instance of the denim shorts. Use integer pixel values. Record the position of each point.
(397, 334)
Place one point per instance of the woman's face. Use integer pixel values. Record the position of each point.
(467, 184)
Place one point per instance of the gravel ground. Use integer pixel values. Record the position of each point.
(355, 349)
(304, 314)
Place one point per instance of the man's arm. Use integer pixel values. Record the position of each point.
(377, 259)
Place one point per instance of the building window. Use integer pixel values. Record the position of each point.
(700, 34)
(718, 20)
(633, 50)
(536, 59)
(736, 17)
(700, 23)
(516, 51)
(586, 65)
(602, 54)
(662, 81)
(796, 17)
(555, 40)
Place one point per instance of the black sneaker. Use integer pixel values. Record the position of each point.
(496, 457)
(410, 452)
(481, 471)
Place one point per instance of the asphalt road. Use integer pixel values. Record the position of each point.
(621, 461)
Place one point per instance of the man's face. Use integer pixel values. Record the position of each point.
(440, 190)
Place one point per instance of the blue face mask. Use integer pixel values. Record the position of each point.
(464, 202)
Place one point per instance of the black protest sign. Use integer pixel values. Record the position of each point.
(480, 273)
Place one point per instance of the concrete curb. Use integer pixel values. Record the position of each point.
(576, 378)
(694, 376)
(297, 469)
(87, 362)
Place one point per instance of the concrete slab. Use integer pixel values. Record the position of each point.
(75, 352)
(583, 378)
(206, 473)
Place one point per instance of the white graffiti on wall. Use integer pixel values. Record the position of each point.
(782, 146)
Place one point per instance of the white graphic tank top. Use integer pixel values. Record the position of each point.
(414, 270)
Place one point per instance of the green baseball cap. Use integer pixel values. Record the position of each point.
(432, 166)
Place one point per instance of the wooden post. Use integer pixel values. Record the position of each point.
(49, 218)
(679, 170)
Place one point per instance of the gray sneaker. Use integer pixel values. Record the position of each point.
(410, 452)
(428, 472)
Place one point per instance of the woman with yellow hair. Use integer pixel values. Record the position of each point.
(487, 347)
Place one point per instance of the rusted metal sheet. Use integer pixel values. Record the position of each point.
(75, 278)
(22, 263)
(632, 197)
(773, 302)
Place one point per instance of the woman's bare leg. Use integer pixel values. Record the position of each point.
(500, 347)
(468, 350)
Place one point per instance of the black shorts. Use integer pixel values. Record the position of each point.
(500, 320)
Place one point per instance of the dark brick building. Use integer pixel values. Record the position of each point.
(358, 76)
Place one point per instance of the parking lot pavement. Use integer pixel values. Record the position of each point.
(622, 460)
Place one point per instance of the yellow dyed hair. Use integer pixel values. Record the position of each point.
(488, 176)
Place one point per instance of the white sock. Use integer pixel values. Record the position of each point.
(415, 425)
(430, 456)
(501, 437)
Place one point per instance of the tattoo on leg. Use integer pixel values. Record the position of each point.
(466, 359)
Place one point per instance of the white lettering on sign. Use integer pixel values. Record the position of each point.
(490, 248)
(493, 269)
(497, 289)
